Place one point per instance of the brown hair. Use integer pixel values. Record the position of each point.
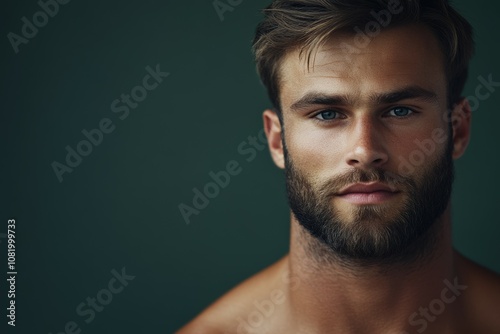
(306, 24)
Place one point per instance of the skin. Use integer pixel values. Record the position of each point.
(319, 294)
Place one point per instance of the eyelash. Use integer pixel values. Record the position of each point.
(412, 112)
(326, 120)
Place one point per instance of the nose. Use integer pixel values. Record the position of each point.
(366, 146)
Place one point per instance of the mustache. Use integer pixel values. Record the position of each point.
(392, 180)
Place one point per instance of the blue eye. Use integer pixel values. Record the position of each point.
(400, 112)
(327, 115)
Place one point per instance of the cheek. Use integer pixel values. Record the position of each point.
(314, 152)
(419, 148)
(319, 153)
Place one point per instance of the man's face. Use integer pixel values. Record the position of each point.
(367, 172)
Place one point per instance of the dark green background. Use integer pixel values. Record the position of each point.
(119, 208)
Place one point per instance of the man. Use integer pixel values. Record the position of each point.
(367, 120)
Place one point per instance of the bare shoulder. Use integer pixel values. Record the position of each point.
(483, 294)
(228, 314)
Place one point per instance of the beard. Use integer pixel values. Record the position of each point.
(378, 234)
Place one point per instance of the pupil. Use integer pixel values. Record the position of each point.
(328, 114)
(400, 111)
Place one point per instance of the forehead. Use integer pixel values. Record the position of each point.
(397, 57)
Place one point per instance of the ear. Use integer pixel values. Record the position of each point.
(461, 121)
(272, 127)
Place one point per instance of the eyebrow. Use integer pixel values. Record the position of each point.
(410, 92)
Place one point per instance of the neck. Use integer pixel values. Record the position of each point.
(335, 293)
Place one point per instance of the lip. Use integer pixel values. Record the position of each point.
(368, 193)
(367, 188)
